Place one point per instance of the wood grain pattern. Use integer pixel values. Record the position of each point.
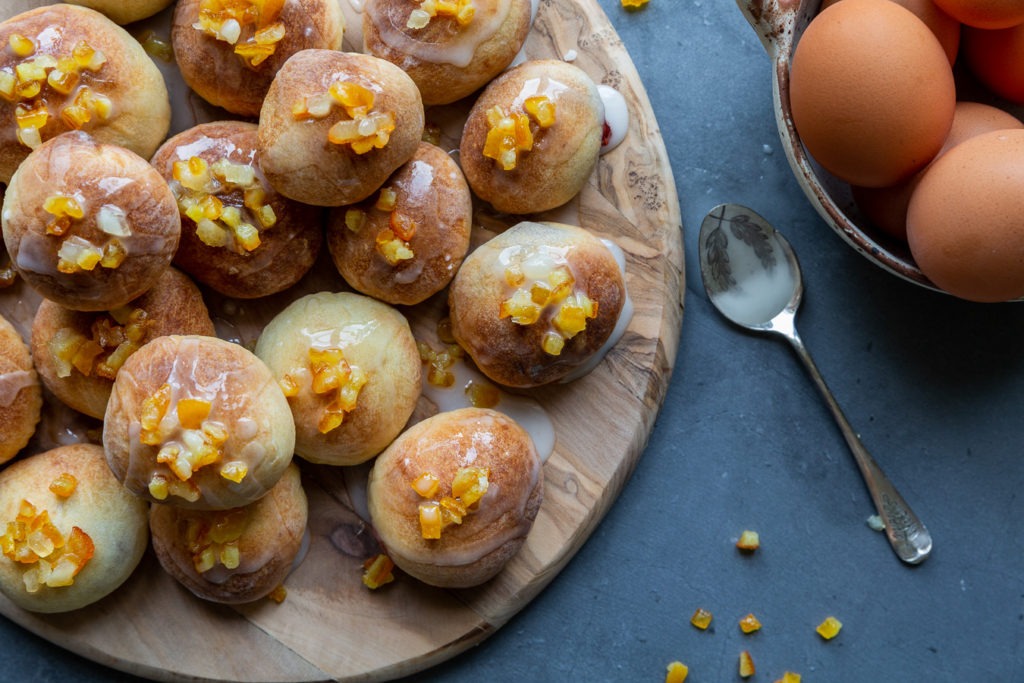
(330, 626)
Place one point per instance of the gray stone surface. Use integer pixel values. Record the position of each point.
(933, 385)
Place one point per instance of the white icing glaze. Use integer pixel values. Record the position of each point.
(616, 116)
(625, 316)
(457, 48)
(11, 384)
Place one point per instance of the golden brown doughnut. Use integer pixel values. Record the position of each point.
(89, 225)
(238, 555)
(275, 240)
(555, 158)
(428, 203)
(236, 75)
(69, 495)
(78, 354)
(198, 422)
(81, 71)
(124, 11)
(448, 57)
(351, 371)
(535, 303)
(21, 397)
(375, 121)
(463, 453)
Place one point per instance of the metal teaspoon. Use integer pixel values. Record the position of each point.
(752, 277)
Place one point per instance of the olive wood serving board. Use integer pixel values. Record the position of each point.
(331, 627)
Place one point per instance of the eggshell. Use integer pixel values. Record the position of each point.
(886, 207)
(996, 58)
(945, 27)
(965, 222)
(985, 13)
(871, 92)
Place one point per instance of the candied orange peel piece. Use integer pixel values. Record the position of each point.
(468, 486)
(749, 624)
(226, 20)
(829, 628)
(214, 538)
(378, 571)
(701, 618)
(462, 11)
(64, 485)
(510, 134)
(676, 672)
(426, 484)
(749, 541)
(634, 4)
(333, 374)
(551, 291)
(202, 190)
(746, 665)
(52, 559)
(439, 372)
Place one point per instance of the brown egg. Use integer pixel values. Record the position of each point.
(871, 92)
(945, 27)
(964, 222)
(985, 13)
(886, 207)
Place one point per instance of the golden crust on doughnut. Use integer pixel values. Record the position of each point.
(126, 213)
(494, 528)
(21, 396)
(266, 535)
(124, 11)
(371, 345)
(513, 353)
(112, 518)
(180, 397)
(223, 78)
(432, 206)
(139, 112)
(296, 155)
(447, 62)
(562, 156)
(285, 249)
(173, 306)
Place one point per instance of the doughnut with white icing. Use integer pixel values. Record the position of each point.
(75, 69)
(454, 497)
(404, 243)
(88, 224)
(197, 422)
(239, 236)
(21, 396)
(533, 137)
(238, 555)
(449, 55)
(534, 304)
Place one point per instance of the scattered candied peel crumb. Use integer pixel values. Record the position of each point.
(749, 624)
(789, 677)
(278, 594)
(749, 541)
(634, 4)
(829, 628)
(676, 672)
(64, 485)
(701, 618)
(469, 485)
(746, 666)
(378, 571)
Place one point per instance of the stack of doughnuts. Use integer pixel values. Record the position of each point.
(137, 247)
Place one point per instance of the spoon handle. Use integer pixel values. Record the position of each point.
(907, 534)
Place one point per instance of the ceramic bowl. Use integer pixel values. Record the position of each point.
(779, 23)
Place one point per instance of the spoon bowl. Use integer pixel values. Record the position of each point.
(752, 277)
